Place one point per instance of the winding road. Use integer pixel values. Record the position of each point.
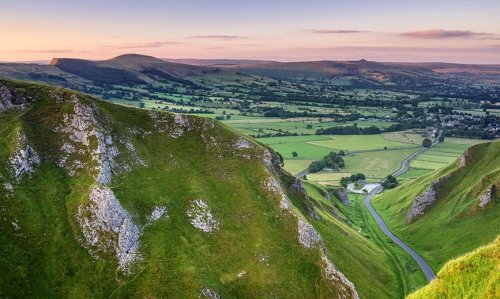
(377, 188)
(405, 165)
(429, 274)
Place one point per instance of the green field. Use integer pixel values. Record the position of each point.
(375, 164)
(358, 142)
(304, 125)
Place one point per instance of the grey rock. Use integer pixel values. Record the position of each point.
(201, 216)
(9, 99)
(425, 200)
(308, 236)
(274, 186)
(465, 158)
(107, 226)
(347, 288)
(486, 196)
(208, 293)
(157, 213)
(25, 159)
(342, 195)
(298, 187)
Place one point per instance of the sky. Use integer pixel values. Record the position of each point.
(463, 31)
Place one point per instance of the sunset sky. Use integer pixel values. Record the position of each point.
(437, 30)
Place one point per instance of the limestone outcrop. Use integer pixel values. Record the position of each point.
(10, 99)
(486, 197)
(425, 200)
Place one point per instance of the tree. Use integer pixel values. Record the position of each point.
(390, 182)
(142, 105)
(309, 126)
(228, 117)
(426, 142)
(295, 154)
(316, 166)
(385, 148)
(441, 139)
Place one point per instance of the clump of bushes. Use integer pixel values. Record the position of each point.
(390, 182)
(426, 142)
(353, 178)
(333, 160)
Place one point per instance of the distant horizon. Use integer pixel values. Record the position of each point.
(458, 31)
(47, 61)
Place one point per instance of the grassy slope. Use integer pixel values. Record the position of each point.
(474, 275)
(361, 251)
(455, 218)
(44, 256)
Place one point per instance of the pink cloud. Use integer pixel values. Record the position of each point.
(223, 37)
(147, 45)
(440, 33)
(333, 31)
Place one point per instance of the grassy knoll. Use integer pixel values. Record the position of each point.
(455, 218)
(473, 275)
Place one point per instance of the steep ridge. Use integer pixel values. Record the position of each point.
(450, 211)
(99, 200)
(474, 275)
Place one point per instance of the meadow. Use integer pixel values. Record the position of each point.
(366, 153)
(438, 157)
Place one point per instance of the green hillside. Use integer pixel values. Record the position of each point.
(450, 211)
(378, 268)
(100, 200)
(474, 275)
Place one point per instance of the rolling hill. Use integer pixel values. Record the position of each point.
(451, 211)
(375, 73)
(474, 275)
(100, 200)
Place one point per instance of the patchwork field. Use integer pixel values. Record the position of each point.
(438, 157)
(376, 163)
(255, 125)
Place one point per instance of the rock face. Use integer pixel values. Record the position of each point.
(10, 99)
(82, 127)
(201, 216)
(341, 194)
(485, 198)
(308, 236)
(273, 185)
(465, 158)
(298, 187)
(208, 293)
(347, 287)
(157, 213)
(425, 200)
(104, 216)
(24, 160)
